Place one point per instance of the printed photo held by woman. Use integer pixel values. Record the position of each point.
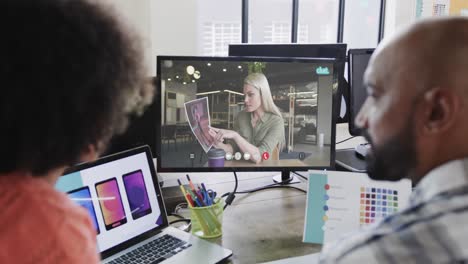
(259, 128)
(199, 119)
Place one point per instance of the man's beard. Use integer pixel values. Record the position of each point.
(395, 159)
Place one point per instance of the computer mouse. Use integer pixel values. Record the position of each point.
(362, 149)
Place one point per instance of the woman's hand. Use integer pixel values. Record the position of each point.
(221, 134)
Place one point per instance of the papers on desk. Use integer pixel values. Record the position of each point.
(342, 202)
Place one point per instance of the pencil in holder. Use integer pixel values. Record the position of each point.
(207, 221)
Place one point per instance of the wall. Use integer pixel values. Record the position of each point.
(173, 28)
(399, 14)
(458, 6)
(137, 15)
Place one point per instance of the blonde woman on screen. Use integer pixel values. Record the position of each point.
(259, 128)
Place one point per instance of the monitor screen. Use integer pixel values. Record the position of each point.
(357, 64)
(335, 50)
(219, 113)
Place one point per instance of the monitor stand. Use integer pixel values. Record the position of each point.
(348, 159)
(286, 177)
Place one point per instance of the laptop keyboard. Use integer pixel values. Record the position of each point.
(155, 251)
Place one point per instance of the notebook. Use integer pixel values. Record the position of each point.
(343, 202)
(123, 198)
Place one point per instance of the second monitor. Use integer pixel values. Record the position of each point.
(219, 113)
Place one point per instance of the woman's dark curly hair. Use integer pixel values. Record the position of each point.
(70, 73)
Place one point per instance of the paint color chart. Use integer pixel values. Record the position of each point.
(377, 203)
(342, 202)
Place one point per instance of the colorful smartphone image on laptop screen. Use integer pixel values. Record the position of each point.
(136, 194)
(82, 197)
(110, 202)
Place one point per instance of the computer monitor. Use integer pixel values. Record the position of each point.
(357, 64)
(336, 50)
(353, 158)
(203, 98)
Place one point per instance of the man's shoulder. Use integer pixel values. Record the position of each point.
(432, 232)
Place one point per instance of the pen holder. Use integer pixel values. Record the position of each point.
(207, 221)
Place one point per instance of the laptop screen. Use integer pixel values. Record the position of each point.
(119, 194)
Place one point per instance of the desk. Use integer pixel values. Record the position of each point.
(345, 155)
(265, 225)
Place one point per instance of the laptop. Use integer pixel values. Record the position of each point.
(122, 195)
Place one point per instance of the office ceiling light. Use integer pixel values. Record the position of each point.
(205, 93)
(240, 67)
(190, 69)
(224, 70)
(208, 64)
(299, 93)
(167, 63)
(229, 91)
(196, 75)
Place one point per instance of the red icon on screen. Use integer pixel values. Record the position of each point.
(265, 155)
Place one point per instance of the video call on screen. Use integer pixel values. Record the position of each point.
(302, 91)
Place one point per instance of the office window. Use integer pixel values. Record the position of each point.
(277, 32)
(270, 21)
(401, 13)
(361, 23)
(218, 35)
(196, 27)
(318, 21)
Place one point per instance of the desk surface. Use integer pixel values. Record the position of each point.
(266, 225)
(342, 133)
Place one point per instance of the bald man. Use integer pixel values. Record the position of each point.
(416, 119)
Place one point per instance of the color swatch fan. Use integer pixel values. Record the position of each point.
(342, 202)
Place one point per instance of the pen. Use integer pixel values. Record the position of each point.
(194, 197)
(205, 193)
(206, 196)
(190, 183)
(181, 187)
(189, 200)
(200, 191)
(200, 198)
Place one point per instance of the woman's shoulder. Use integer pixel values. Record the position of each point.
(275, 118)
(243, 116)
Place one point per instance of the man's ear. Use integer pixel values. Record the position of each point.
(89, 154)
(441, 107)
